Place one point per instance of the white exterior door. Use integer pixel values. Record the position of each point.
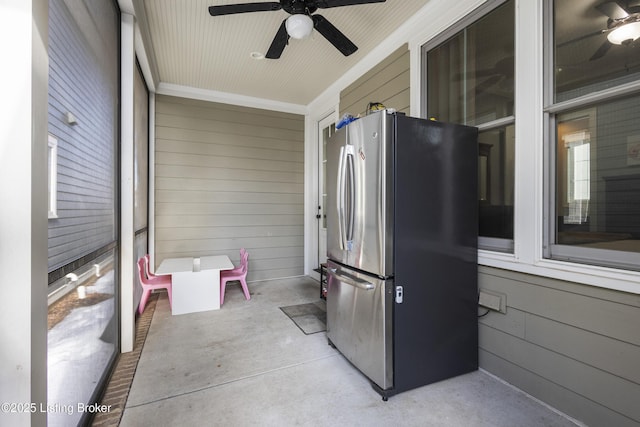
(326, 128)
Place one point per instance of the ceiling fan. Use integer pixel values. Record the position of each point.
(301, 22)
(623, 25)
(500, 76)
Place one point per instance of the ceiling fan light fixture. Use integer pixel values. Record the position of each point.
(299, 26)
(625, 33)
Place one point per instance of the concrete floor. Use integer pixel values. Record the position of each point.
(248, 364)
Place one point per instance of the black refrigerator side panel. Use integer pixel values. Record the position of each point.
(436, 229)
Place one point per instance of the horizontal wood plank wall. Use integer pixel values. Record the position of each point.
(575, 347)
(83, 81)
(387, 82)
(229, 177)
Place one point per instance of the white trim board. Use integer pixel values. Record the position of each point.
(230, 98)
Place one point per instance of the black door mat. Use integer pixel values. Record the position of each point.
(311, 318)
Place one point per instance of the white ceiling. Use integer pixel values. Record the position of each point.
(190, 48)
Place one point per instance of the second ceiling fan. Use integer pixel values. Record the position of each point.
(301, 22)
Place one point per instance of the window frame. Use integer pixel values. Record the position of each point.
(52, 160)
(492, 244)
(531, 167)
(553, 251)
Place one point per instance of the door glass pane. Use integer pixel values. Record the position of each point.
(585, 60)
(326, 131)
(326, 134)
(598, 176)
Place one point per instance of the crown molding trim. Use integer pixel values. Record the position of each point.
(230, 98)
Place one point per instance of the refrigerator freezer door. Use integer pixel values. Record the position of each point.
(436, 325)
(359, 187)
(359, 321)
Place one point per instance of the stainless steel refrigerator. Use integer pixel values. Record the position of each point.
(402, 226)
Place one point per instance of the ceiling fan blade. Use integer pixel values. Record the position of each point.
(580, 38)
(482, 87)
(335, 37)
(244, 8)
(602, 51)
(489, 72)
(477, 74)
(325, 4)
(279, 42)
(613, 10)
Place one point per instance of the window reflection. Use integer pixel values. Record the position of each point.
(577, 147)
(597, 138)
(471, 75)
(584, 59)
(598, 176)
(82, 337)
(496, 177)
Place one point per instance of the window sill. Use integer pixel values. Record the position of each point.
(590, 275)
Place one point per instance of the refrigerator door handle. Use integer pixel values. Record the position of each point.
(351, 280)
(340, 197)
(352, 199)
(346, 197)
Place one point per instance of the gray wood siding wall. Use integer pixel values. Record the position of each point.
(229, 177)
(572, 346)
(388, 83)
(83, 80)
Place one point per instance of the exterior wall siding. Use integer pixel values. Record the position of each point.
(572, 346)
(86, 150)
(229, 177)
(388, 83)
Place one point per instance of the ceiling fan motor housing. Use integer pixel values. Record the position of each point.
(623, 23)
(296, 7)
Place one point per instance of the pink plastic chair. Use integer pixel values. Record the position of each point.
(237, 269)
(151, 283)
(238, 273)
(150, 275)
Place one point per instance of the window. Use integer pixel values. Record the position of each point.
(84, 283)
(469, 80)
(52, 163)
(592, 107)
(576, 189)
